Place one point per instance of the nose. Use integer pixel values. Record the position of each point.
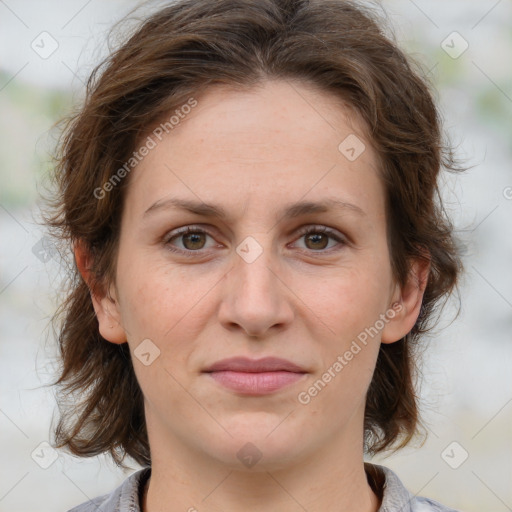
(256, 298)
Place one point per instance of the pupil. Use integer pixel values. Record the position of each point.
(194, 238)
(315, 238)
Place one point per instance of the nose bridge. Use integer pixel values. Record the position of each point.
(254, 260)
(255, 298)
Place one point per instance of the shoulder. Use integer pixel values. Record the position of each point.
(396, 497)
(123, 499)
(421, 504)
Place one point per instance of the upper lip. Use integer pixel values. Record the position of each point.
(244, 364)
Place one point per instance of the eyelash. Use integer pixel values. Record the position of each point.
(196, 230)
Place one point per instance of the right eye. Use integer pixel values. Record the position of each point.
(192, 239)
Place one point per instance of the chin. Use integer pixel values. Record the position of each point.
(248, 456)
(258, 448)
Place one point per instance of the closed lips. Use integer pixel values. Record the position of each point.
(244, 364)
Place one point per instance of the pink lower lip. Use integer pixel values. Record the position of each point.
(259, 383)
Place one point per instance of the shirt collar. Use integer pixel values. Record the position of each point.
(389, 488)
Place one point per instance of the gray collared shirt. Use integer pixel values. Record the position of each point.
(395, 497)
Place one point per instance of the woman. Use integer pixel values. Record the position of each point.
(250, 192)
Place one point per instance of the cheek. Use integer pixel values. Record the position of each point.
(353, 300)
(165, 305)
(153, 293)
(156, 307)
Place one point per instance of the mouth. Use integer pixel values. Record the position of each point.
(255, 377)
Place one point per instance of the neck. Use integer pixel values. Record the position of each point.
(333, 478)
(370, 502)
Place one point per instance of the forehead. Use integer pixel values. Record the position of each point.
(275, 143)
(290, 110)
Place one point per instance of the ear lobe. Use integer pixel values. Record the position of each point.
(105, 304)
(410, 300)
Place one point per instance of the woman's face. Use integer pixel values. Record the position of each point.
(250, 283)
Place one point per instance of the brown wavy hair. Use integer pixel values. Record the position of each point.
(176, 53)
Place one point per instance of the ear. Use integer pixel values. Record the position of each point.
(407, 302)
(104, 302)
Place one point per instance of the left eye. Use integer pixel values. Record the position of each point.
(318, 237)
(194, 239)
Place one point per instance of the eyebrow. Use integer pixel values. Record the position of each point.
(290, 211)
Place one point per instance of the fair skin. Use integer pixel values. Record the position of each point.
(304, 299)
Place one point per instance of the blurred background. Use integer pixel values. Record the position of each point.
(47, 50)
